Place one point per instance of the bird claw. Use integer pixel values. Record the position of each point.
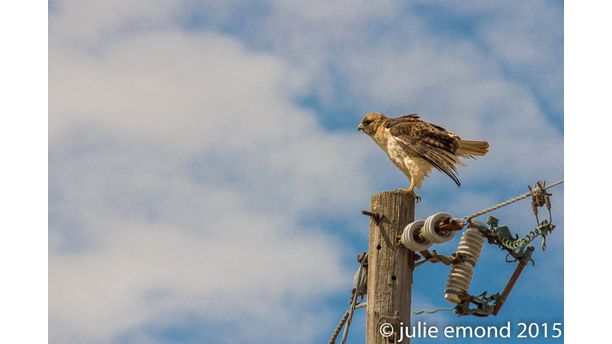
(417, 198)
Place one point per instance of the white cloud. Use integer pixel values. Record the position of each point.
(143, 271)
(166, 84)
(89, 21)
(179, 174)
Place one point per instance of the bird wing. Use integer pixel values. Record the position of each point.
(427, 141)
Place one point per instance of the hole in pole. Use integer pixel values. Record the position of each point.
(393, 278)
(378, 247)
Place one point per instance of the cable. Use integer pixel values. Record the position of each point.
(348, 315)
(332, 339)
(431, 311)
(354, 300)
(510, 201)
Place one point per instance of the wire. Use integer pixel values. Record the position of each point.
(354, 300)
(348, 315)
(510, 201)
(334, 335)
(431, 311)
(520, 243)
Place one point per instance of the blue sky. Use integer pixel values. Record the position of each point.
(206, 178)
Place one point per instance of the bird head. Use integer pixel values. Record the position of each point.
(370, 122)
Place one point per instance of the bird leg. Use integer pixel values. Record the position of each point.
(411, 191)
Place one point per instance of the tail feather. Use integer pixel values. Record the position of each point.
(470, 148)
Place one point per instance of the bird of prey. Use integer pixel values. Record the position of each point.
(415, 146)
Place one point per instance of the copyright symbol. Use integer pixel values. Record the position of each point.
(386, 330)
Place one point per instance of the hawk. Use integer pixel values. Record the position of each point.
(415, 146)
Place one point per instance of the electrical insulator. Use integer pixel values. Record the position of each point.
(360, 284)
(432, 233)
(470, 245)
(412, 237)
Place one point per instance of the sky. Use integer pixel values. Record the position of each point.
(206, 177)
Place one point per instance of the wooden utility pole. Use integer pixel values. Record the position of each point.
(390, 266)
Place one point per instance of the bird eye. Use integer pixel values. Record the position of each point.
(367, 121)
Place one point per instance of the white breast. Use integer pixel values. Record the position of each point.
(413, 167)
(396, 153)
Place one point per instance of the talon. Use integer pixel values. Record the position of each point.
(416, 197)
(411, 190)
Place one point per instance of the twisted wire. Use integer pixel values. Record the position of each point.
(353, 301)
(520, 243)
(334, 335)
(507, 202)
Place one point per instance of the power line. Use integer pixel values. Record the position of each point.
(510, 201)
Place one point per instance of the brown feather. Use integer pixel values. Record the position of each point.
(427, 141)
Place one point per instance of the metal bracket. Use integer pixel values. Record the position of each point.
(540, 198)
(434, 257)
(484, 305)
(376, 217)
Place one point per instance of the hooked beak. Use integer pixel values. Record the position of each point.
(360, 127)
